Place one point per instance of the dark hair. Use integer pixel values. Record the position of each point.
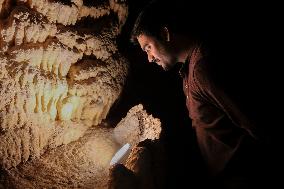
(155, 16)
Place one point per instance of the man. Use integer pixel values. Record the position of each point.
(220, 93)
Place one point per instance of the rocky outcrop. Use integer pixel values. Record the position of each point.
(60, 72)
(85, 163)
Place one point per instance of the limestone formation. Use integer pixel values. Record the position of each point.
(60, 72)
(85, 163)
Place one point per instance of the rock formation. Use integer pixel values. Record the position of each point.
(85, 162)
(60, 72)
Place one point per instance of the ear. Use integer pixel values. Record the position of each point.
(165, 33)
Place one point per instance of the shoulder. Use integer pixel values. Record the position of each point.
(214, 69)
(202, 69)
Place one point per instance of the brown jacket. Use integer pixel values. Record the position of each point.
(221, 124)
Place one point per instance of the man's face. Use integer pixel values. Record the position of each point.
(157, 51)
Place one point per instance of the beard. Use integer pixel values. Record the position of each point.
(167, 67)
(167, 58)
(168, 64)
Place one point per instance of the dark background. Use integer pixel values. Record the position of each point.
(253, 34)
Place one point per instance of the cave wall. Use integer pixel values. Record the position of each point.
(60, 72)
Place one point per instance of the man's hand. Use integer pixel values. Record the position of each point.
(121, 178)
(140, 169)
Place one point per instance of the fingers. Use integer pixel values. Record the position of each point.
(140, 169)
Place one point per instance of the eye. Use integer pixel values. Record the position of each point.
(147, 48)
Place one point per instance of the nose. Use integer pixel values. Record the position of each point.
(151, 58)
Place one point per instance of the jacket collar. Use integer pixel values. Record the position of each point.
(183, 71)
(193, 56)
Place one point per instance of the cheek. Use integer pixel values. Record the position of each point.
(158, 52)
(155, 53)
(164, 54)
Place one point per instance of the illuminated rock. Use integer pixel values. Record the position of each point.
(85, 163)
(60, 72)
